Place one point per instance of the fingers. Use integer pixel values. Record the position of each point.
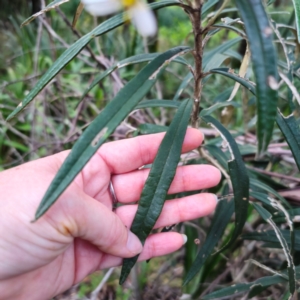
(128, 187)
(121, 157)
(80, 216)
(175, 211)
(156, 245)
(130, 154)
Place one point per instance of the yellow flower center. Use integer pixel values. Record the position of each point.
(128, 3)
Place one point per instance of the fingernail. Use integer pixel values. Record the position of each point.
(216, 198)
(134, 245)
(184, 237)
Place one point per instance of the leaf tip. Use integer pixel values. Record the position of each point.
(123, 277)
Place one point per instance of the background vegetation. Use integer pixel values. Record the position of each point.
(59, 115)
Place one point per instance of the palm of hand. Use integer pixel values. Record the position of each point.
(80, 233)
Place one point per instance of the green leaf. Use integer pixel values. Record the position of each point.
(230, 74)
(261, 197)
(290, 129)
(269, 236)
(207, 5)
(266, 179)
(264, 61)
(297, 15)
(211, 109)
(228, 27)
(245, 287)
(105, 123)
(158, 103)
(278, 207)
(159, 180)
(239, 178)
(291, 268)
(218, 154)
(220, 220)
(209, 57)
(50, 6)
(280, 217)
(259, 185)
(73, 50)
(186, 80)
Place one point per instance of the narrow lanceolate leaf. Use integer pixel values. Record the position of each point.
(207, 5)
(211, 109)
(291, 131)
(275, 204)
(269, 237)
(258, 185)
(230, 74)
(297, 15)
(50, 6)
(220, 220)
(290, 265)
(158, 103)
(159, 180)
(218, 52)
(73, 50)
(294, 214)
(263, 56)
(185, 82)
(228, 27)
(219, 155)
(234, 290)
(105, 123)
(238, 175)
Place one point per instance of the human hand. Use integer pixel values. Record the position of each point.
(80, 233)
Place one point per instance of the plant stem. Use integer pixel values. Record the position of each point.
(195, 16)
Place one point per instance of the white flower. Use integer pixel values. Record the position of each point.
(140, 14)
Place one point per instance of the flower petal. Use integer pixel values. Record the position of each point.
(102, 7)
(143, 19)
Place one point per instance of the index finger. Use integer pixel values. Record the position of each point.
(130, 154)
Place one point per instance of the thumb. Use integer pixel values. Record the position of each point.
(86, 218)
